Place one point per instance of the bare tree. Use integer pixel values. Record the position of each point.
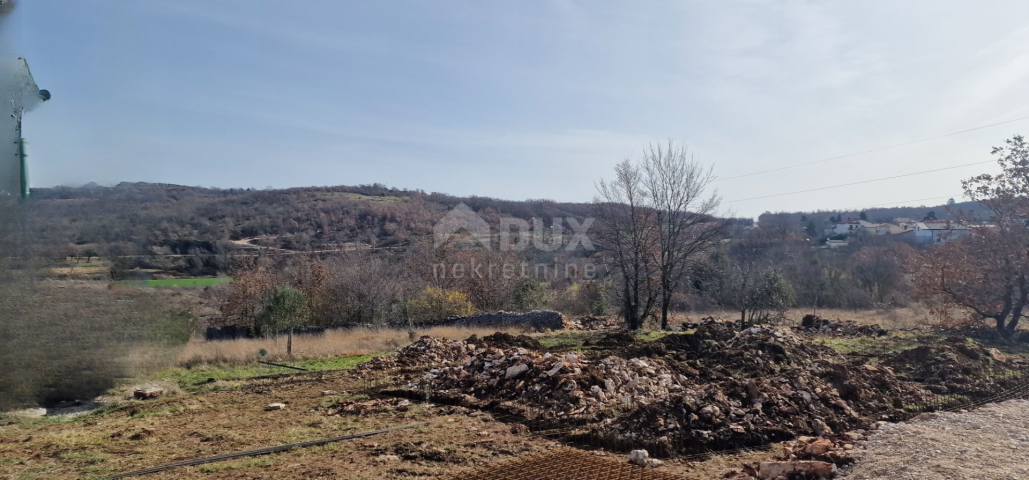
(987, 274)
(627, 237)
(676, 186)
(779, 226)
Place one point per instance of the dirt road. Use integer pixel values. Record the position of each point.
(984, 444)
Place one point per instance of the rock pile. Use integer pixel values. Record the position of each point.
(593, 322)
(806, 457)
(841, 328)
(427, 351)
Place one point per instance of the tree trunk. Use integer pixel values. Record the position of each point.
(289, 343)
(665, 302)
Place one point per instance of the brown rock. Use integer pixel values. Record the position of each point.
(147, 393)
(819, 447)
(771, 470)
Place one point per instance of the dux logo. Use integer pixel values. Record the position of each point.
(514, 232)
(461, 219)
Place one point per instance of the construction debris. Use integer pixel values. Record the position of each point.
(427, 351)
(716, 388)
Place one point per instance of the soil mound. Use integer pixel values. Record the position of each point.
(842, 328)
(734, 388)
(956, 365)
(506, 340)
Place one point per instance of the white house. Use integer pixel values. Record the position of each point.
(940, 232)
(846, 228)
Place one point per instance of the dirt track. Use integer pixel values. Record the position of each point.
(986, 444)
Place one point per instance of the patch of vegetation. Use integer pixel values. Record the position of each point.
(199, 282)
(875, 346)
(190, 378)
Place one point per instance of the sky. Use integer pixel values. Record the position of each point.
(522, 100)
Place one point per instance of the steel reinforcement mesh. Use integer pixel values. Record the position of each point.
(564, 464)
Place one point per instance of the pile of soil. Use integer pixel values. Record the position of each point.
(506, 340)
(612, 340)
(955, 365)
(841, 328)
(426, 352)
(732, 389)
(760, 386)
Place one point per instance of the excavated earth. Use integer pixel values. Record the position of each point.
(718, 388)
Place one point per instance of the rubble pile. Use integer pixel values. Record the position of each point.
(594, 322)
(806, 457)
(841, 328)
(718, 389)
(555, 386)
(426, 351)
(763, 385)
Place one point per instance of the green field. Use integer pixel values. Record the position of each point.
(180, 282)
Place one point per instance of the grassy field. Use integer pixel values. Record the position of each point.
(190, 378)
(333, 343)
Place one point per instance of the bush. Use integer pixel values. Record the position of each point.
(530, 295)
(436, 303)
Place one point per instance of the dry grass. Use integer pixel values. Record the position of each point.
(907, 317)
(333, 343)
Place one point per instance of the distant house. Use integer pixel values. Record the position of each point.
(940, 232)
(846, 228)
(890, 229)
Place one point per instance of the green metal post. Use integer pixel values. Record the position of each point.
(24, 170)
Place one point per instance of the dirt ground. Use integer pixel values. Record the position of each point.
(133, 435)
(985, 444)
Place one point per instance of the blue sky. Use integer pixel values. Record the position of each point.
(522, 99)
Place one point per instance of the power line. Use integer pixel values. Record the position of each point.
(896, 203)
(788, 167)
(862, 182)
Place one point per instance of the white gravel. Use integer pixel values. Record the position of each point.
(984, 444)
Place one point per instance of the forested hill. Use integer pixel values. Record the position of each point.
(146, 218)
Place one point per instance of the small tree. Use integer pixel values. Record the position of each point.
(627, 238)
(530, 294)
(676, 185)
(285, 311)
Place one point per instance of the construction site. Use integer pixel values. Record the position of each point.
(713, 401)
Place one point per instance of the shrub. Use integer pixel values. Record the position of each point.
(435, 303)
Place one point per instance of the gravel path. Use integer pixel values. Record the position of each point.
(987, 443)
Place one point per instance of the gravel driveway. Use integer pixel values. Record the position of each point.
(985, 444)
